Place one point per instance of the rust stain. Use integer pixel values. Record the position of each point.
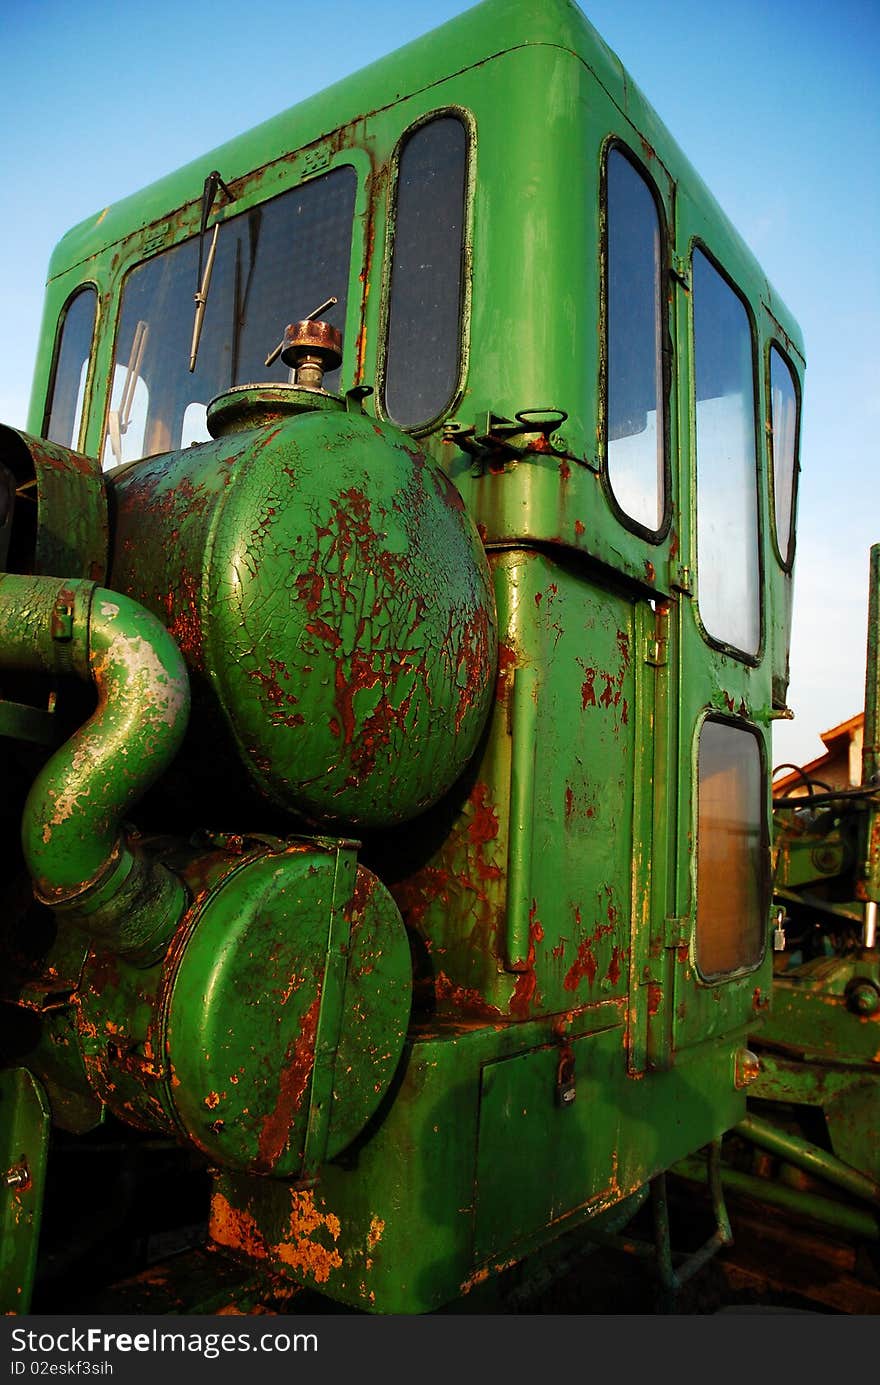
(613, 973)
(236, 1229)
(507, 662)
(484, 824)
(296, 1071)
(588, 694)
(301, 1252)
(584, 965)
(467, 1000)
(525, 990)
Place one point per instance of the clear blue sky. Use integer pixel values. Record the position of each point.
(777, 104)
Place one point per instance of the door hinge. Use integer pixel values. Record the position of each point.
(680, 578)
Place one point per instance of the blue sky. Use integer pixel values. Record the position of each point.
(776, 104)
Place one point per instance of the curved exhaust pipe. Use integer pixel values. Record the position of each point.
(74, 844)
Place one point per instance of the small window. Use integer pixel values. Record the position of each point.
(423, 356)
(728, 564)
(67, 394)
(732, 893)
(783, 444)
(634, 324)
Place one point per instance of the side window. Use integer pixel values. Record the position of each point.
(67, 392)
(423, 353)
(732, 891)
(728, 565)
(783, 445)
(635, 421)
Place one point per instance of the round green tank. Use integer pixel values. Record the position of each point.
(330, 595)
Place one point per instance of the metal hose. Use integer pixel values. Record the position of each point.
(74, 844)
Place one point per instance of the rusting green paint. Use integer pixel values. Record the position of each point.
(533, 815)
(66, 532)
(271, 1030)
(71, 827)
(331, 597)
(409, 1220)
(24, 1144)
(806, 1156)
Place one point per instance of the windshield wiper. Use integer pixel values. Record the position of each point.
(119, 419)
(213, 184)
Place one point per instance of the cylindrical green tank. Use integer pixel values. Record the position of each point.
(331, 597)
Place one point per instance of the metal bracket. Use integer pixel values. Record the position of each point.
(506, 439)
(566, 1091)
(678, 932)
(681, 271)
(680, 578)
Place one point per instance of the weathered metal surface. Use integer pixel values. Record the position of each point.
(285, 1016)
(331, 597)
(271, 1031)
(391, 1229)
(71, 826)
(60, 524)
(534, 816)
(24, 1143)
(814, 1161)
(527, 899)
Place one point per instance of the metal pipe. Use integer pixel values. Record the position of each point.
(523, 734)
(809, 1157)
(74, 845)
(824, 1210)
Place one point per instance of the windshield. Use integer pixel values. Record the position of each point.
(274, 263)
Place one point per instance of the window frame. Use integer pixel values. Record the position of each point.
(655, 536)
(742, 656)
(254, 189)
(708, 979)
(88, 285)
(786, 563)
(466, 119)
